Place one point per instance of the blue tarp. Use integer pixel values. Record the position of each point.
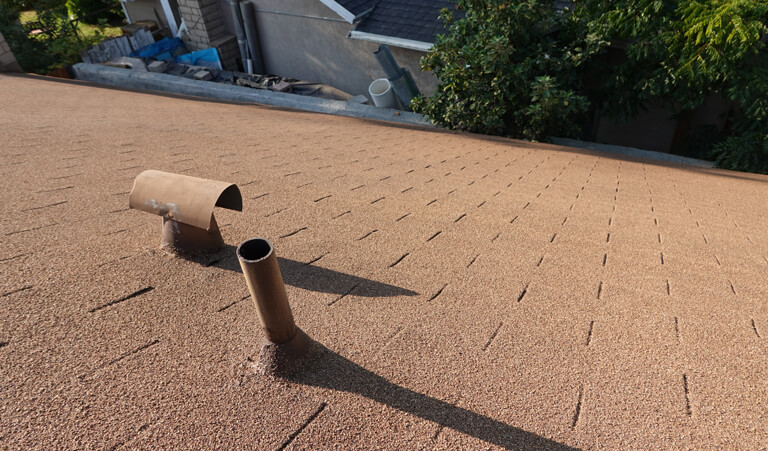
(165, 49)
(206, 57)
(173, 49)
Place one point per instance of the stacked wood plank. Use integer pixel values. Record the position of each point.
(117, 47)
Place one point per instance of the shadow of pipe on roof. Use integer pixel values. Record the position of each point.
(332, 371)
(310, 277)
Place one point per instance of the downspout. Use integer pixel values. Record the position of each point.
(237, 19)
(252, 36)
(400, 78)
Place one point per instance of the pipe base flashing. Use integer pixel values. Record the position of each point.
(190, 240)
(285, 359)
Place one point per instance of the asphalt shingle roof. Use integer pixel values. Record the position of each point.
(414, 20)
(471, 292)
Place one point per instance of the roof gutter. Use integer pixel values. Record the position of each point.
(390, 40)
(340, 10)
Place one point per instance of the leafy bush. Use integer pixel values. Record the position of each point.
(684, 51)
(58, 46)
(31, 54)
(87, 9)
(552, 110)
(508, 68)
(524, 70)
(66, 49)
(749, 150)
(19, 5)
(33, 5)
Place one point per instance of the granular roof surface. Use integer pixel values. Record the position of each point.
(469, 292)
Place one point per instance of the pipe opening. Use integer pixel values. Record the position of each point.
(254, 249)
(231, 198)
(380, 87)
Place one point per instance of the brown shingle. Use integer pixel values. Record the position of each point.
(486, 331)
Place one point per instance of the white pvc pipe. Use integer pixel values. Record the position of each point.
(382, 94)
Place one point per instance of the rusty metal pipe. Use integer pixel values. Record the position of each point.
(186, 205)
(191, 239)
(262, 274)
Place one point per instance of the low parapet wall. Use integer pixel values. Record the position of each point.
(169, 83)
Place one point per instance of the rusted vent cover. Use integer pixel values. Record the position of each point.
(186, 205)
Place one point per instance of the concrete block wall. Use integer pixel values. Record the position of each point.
(7, 59)
(205, 21)
(228, 50)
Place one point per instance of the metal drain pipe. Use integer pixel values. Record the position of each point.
(265, 282)
(400, 77)
(287, 344)
(242, 43)
(252, 36)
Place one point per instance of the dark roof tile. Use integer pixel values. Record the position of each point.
(414, 20)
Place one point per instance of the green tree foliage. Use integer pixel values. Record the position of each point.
(30, 53)
(681, 52)
(92, 10)
(522, 69)
(509, 67)
(58, 46)
(19, 5)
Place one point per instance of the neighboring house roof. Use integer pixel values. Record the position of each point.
(468, 291)
(403, 23)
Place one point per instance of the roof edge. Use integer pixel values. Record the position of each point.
(340, 10)
(391, 40)
(153, 81)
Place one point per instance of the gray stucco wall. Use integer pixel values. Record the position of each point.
(7, 59)
(650, 130)
(658, 128)
(316, 48)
